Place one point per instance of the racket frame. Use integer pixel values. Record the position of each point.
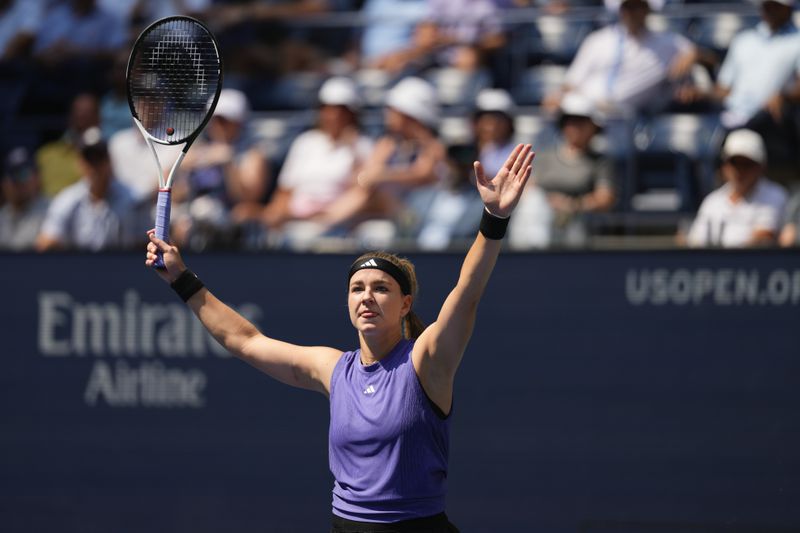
(164, 201)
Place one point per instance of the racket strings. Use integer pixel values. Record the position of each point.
(175, 72)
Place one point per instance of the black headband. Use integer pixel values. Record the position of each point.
(386, 266)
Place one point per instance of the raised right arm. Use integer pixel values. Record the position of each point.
(307, 367)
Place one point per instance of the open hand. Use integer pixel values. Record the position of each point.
(172, 258)
(501, 194)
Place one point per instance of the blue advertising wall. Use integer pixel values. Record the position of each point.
(601, 392)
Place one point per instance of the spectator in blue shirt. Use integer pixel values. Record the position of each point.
(98, 212)
(78, 29)
(759, 85)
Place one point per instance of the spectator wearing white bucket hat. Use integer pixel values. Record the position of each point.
(576, 177)
(226, 167)
(747, 209)
(453, 212)
(407, 158)
(321, 165)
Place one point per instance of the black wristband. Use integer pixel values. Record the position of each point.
(186, 285)
(493, 227)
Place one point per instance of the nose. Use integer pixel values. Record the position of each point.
(367, 296)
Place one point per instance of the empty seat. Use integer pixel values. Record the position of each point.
(276, 131)
(716, 31)
(456, 87)
(456, 130)
(538, 81)
(556, 38)
(536, 129)
(696, 136)
(373, 84)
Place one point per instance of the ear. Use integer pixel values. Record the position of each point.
(407, 301)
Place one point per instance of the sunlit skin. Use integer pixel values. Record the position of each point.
(395, 122)
(336, 120)
(377, 307)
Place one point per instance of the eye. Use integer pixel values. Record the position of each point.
(356, 288)
(382, 288)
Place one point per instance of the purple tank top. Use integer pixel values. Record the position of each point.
(387, 447)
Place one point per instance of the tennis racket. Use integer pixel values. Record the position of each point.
(174, 79)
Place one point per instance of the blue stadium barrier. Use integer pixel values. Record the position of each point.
(601, 392)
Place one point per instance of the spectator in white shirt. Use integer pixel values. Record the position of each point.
(320, 167)
(790, 234)
(625, 68)
(747, 210)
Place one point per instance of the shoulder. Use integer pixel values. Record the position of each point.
(747, 37)
(40, 205)
(771, 193)
(603, 35)
(65, 205)
(122, 194)
(714, 199)
(52, 149)
(343, 360)
(70, 195)
(793, 203)
(124, 139)
(312, 136)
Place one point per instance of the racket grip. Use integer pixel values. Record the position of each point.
(163, 206)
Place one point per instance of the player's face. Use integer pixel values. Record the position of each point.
(375, 301)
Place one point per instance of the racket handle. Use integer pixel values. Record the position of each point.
(163, 206)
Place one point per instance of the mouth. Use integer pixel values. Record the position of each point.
(368, 314)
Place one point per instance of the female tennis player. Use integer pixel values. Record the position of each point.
(391, 398)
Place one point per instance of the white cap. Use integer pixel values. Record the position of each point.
(232, 105)
(745, 143)
(655, 5)
(415, 98)
(340, 91)
(494, 100)
(577, 105)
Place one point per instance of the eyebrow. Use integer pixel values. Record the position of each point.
(379, 281)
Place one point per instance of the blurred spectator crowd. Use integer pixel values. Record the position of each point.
(351, 124)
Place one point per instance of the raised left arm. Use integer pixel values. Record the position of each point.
(439, 350)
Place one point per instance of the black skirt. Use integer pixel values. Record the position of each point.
(430, 524)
